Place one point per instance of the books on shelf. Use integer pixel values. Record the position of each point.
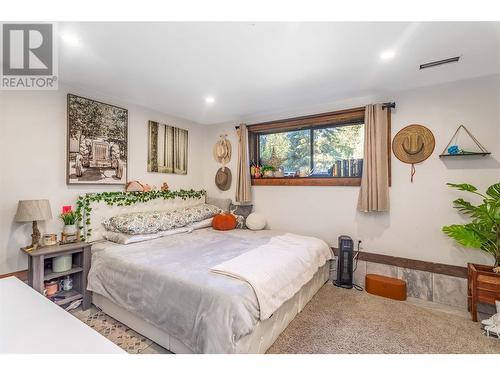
(347, 168)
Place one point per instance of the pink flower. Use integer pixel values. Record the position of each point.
(66, 209)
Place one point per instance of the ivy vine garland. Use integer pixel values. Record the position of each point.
(120, 198)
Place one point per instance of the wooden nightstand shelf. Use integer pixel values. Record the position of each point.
(39, 271)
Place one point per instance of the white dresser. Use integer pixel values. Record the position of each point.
(30, 323)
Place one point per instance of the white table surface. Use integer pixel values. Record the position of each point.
(31, 323)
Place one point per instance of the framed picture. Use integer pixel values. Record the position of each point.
(97, 142)
(167, 149)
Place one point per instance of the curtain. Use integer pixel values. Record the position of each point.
(243, 192)
(374, 192)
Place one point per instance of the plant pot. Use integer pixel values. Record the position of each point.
(69, 229)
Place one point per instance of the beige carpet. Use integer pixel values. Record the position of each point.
(347, 321)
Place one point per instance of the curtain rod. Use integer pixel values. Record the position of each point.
(384, 106)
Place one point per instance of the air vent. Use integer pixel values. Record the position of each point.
(439, 62)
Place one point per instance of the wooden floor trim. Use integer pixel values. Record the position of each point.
(420, 265)
(21, 275)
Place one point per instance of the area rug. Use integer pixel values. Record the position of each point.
(337, 320)
(113, 330)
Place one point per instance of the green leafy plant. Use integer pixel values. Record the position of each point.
(69, 217)
(118, 198)
(266, 168)
(483, 232)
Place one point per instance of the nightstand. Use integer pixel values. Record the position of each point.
(39, 271)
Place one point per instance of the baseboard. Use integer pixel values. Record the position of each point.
(420, 265)
(21, 275)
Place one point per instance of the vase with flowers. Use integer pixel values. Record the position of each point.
(68, 216)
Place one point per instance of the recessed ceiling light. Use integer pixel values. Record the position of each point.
(210, 99)
(387, 55)
(70, 39)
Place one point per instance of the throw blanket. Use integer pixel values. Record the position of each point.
(278, 269)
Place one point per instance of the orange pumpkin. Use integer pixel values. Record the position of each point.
(224, 221)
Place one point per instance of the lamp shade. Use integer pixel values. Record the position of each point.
(33, 210)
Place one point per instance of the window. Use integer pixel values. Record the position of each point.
(325, 149)
(326, 152)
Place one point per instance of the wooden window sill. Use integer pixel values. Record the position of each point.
(307, 181)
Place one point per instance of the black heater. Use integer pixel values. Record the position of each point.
(344, 263)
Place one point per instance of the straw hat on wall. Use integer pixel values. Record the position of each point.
(222, 150)
(413, 144)
(223, 178)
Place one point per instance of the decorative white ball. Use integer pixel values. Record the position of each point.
(255, 221)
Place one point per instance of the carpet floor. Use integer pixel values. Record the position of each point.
(347, 321)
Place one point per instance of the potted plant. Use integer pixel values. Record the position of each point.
(483, 232)
(68, 216)
(267, 171)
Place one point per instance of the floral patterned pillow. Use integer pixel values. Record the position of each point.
(157, 221)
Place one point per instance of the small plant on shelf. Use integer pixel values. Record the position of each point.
(68, 216)
(483, 232)
(267, 170)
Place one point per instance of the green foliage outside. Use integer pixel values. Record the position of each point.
(330, 144)
(483, 232)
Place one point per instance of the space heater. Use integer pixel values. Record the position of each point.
(345, 263)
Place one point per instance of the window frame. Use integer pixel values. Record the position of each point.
(347, 117)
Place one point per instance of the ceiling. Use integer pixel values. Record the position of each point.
(255, 68)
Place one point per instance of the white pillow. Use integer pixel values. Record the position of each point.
(201, 224)
(125, 239)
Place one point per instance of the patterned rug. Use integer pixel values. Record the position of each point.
(113, 330)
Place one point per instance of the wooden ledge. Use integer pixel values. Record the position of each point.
(307, 181)
(419, 265)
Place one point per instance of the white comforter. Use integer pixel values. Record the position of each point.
(278, 269)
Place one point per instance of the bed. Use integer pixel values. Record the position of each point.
(165, 288)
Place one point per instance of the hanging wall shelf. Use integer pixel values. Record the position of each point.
(453, 149)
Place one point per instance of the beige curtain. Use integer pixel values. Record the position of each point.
(374, 192)
(243, 192)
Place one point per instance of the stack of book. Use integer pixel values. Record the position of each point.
(347, 168)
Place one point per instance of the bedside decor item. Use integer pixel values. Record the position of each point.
(224, 221)
(66, 283)
(483, 231)
(453, 148)
(137, 186)
(51, 288)
(223, 178)
(68, 216)
(164, 187)
(167, 149)
(33, 210)
(97, 142)
(413, 144)
(255, 221)
(49, 239)
(62, 263)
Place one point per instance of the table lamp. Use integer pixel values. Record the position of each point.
(33, 210)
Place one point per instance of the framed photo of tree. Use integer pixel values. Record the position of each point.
(167, 149)
(97, 142)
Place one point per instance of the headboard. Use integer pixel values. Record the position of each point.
(94, 211)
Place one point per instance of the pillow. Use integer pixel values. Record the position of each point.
(126, 239)
(201, 224)
(224, 221)
(241, 210)
(158, 221)
(222, 203)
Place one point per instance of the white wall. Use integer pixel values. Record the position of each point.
(412, 227)
(33, 131)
